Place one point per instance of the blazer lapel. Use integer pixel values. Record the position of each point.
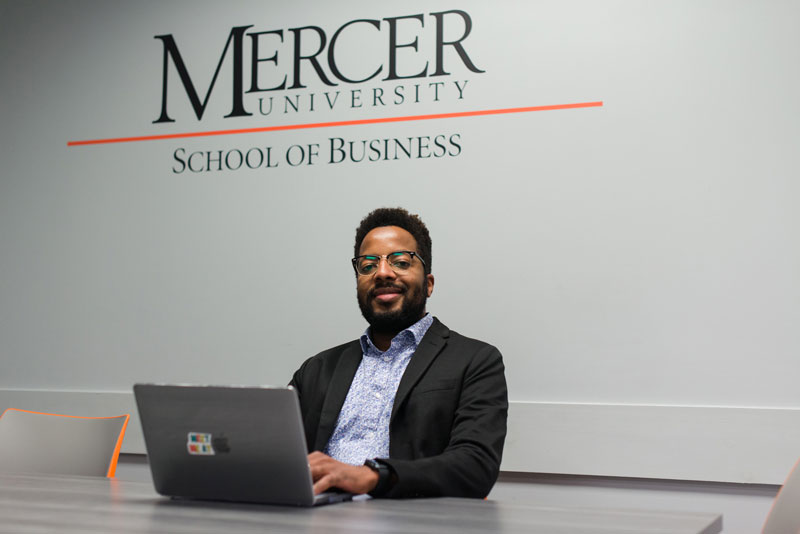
(337, 392)
(430, 346)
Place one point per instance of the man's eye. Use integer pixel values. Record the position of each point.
(368, 267)
(401, 264)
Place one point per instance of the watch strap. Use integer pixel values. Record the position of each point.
(385, 481)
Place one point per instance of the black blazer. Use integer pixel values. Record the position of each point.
(448, 423)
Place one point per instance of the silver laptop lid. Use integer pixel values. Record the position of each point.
(241, 444)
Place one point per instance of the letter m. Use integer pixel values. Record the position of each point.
(171, 51)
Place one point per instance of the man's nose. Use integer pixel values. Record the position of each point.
(385, 270)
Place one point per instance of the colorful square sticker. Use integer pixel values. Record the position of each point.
(199, 443)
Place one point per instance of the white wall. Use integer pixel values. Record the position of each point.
(636, 263)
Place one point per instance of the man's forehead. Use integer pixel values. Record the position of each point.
(385, 239)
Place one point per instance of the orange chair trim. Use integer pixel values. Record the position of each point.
(112, 466)
(64, 415)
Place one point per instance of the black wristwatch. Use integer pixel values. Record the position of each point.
(385, 478)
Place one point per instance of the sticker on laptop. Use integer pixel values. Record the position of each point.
(199, 443)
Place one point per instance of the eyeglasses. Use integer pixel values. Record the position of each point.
(399, 261)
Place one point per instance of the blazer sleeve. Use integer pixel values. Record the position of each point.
(470, 463)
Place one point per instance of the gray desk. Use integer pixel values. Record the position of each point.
(36, 503)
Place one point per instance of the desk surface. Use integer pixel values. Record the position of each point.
(37, 503)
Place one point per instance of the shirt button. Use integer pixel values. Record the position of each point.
(386, 359)
(378, 396)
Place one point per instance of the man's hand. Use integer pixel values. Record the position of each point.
(329, 473)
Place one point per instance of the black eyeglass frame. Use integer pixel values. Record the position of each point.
(411, 253)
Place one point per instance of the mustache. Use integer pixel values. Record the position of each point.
(396, 287)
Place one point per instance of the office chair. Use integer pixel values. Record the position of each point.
(35, 442)
(784, 516)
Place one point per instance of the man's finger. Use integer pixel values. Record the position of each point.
(315, 459)
(313, 455)
(319, 470)
(319, 467)
(323, 484)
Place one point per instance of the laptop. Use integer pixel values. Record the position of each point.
(228, 443)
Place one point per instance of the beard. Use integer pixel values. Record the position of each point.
(411, 311)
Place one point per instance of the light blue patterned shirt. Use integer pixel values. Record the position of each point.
(362, 430)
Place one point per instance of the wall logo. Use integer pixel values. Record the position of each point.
(365, 71)
(287, 63)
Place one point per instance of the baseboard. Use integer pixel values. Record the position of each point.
(718, 444)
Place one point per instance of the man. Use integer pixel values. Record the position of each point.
(412, 408)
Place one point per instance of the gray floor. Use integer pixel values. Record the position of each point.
(743, 506)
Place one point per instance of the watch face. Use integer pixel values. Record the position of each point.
(372, 464)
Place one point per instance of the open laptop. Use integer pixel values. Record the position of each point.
(243, 444)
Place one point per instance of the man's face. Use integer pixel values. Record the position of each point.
(391, 301)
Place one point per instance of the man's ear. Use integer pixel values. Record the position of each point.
(429, 283)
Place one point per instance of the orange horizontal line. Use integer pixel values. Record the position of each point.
(334, 124)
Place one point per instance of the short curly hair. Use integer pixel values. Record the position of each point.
(401, 218)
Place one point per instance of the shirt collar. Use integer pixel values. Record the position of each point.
(413, 333)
